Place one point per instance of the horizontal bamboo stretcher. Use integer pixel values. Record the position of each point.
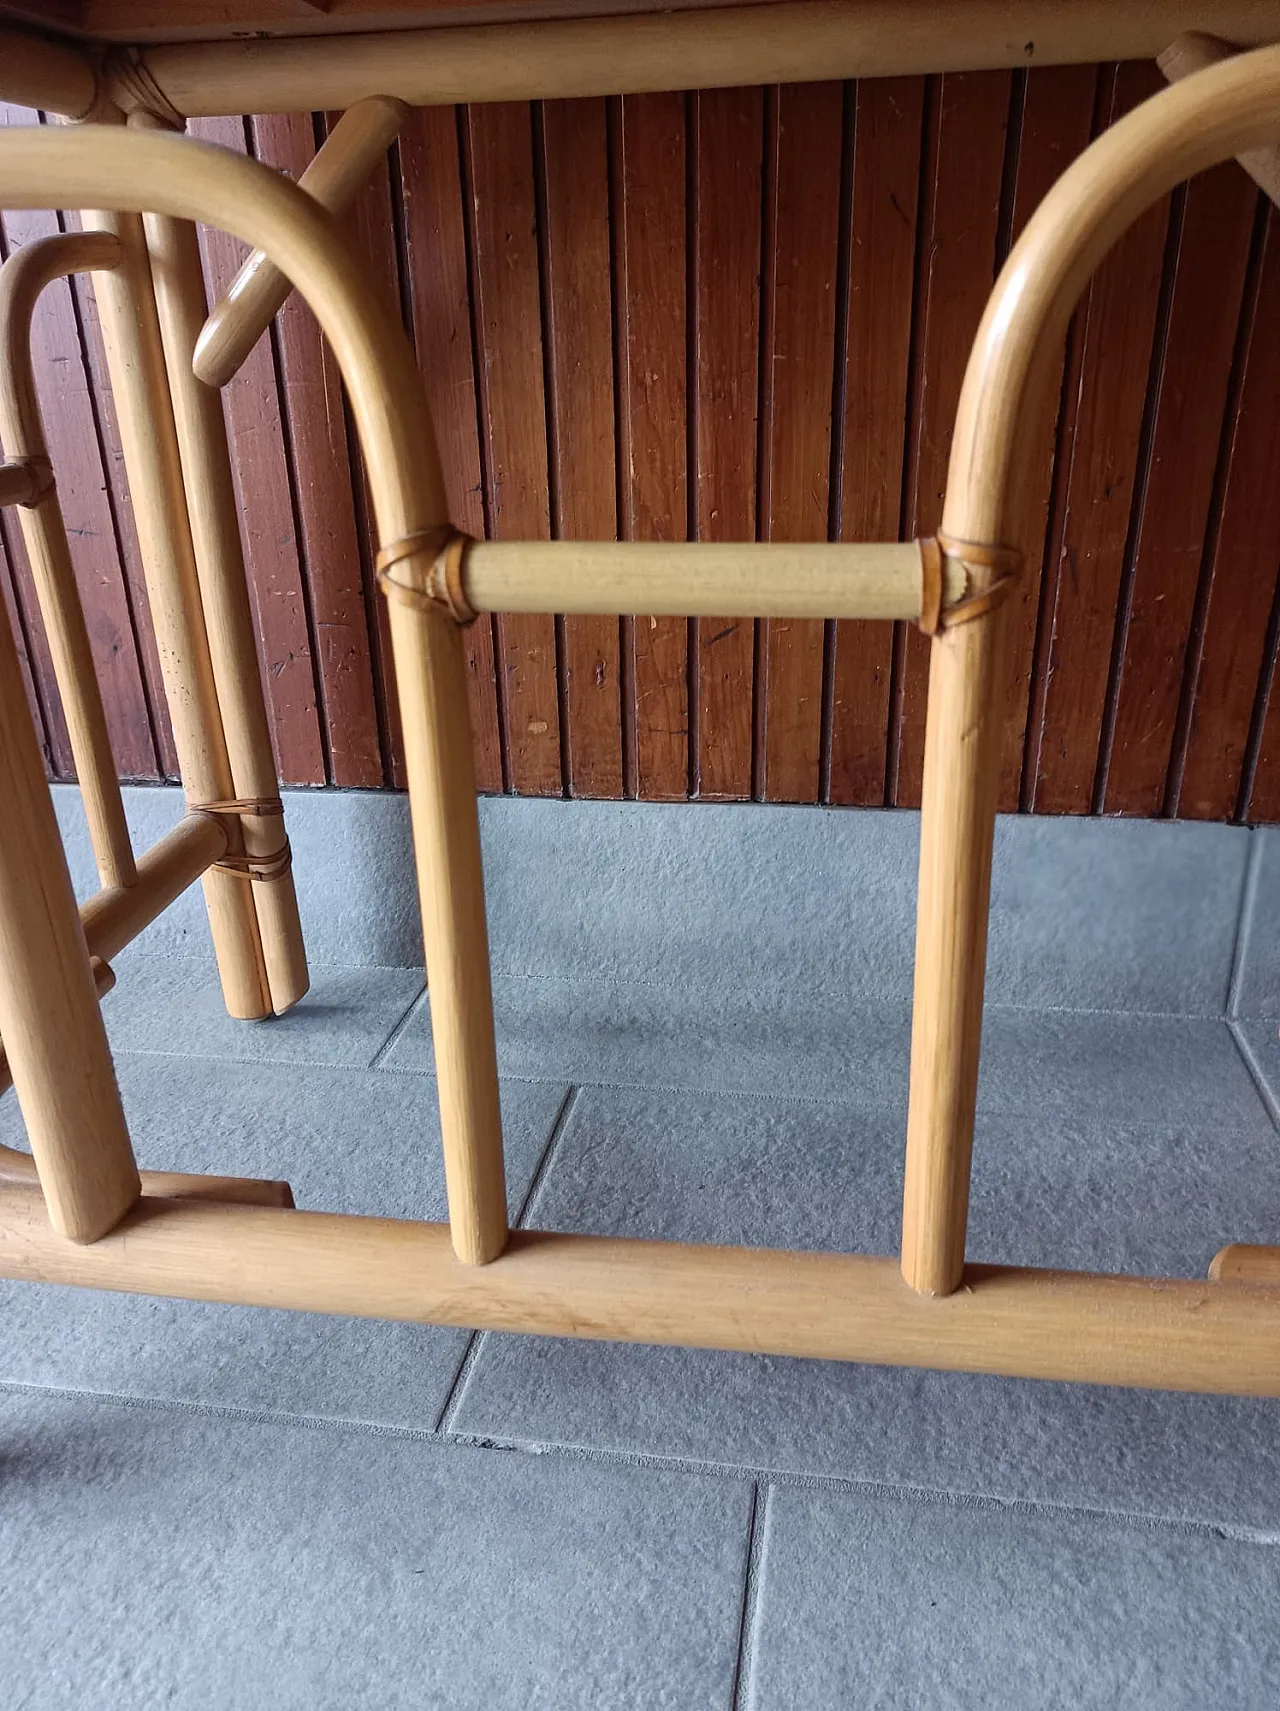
(239, 1242)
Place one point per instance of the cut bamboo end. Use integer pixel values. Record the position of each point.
(52, 75)
(340, 169)
(1192, 52)
(1243, 1262)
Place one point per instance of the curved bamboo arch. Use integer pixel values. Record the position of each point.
(107, 166)
(1225, 110)
(118, 169)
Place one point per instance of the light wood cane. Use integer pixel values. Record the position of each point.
(22, 278)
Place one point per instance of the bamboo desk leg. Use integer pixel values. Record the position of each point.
(215, 532)
(54, 1040)
(135, 359)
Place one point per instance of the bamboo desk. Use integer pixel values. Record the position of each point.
(78, 1211)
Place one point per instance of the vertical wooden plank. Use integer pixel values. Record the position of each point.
(126, 530)
(33, 648)
(881, 264)
(320, 459)
(251, 403)
(17, 624)
(1191, 395)
(961, 220)
(504, 236)
(370, 229)
(72, 433)
(1098, 458)
(650, 224)
(729, 140)
(579, 319)
(805, 141)
(436, 260)
(1223, 678)
(1056, 120)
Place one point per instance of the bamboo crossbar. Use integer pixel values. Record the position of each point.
(340, 169)
(113, 918)
(701, 578)
(714, 48)
(1156, 1332)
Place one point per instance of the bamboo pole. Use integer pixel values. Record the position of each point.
(219, 558)
(135, 360)
(1193, 52)
(53, 1036)
(964, 728)
(113, 918)
(1225, 110)
(702, 49)
(36, 71)
(103, 981)
(1162, 1333)
(18, 1169)
(431, 683)
(20, 483)
(22, 278)
(691, 579)
(342, 166)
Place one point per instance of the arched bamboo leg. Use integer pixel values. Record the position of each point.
(54, 1041)
(135, 360)
(215, 533)
(957, 825)
(431, 680)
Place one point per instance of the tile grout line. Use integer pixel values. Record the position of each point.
(379, 1057)
(1244, 921)
(739, 1698)
(843, 1485)
(475, 1342)
(1255, 1071)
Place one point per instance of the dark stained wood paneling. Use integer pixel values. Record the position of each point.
(579, 321)
(435, 239)
(251, 402)
(649, 160)
(1097, 469)
(17, 626)
(727, 173)
(71, 430)
(876, 363)
(960, 223)
(1243, 559)
(1168, 533)
(804, 183)
(509, 319)
(746, 314)
(1056, 116)
(320, 458)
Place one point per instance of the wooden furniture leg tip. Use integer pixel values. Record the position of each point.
(1243, 1262)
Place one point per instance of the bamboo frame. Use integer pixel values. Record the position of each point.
(22, 278)
(927, 1308)
(339, 171)
(705, 49)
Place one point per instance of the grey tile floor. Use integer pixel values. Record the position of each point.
(212, 1507)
